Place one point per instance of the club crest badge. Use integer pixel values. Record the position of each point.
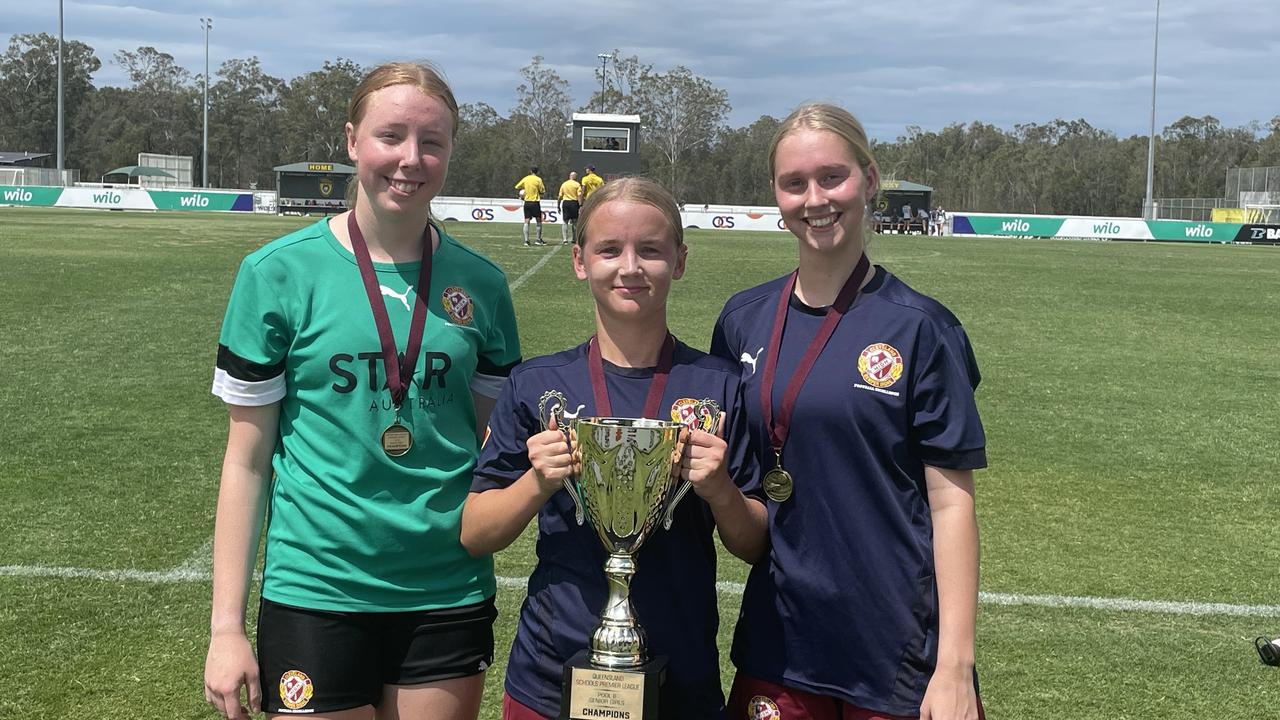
(458, 305)
(880, 365)
(295, 689)
(762, 708)
(701, 414)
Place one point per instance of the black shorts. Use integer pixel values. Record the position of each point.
(569, 210)
(533, 209)
(318, 661)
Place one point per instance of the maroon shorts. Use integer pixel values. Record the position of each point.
(512, 710)
(753, 699)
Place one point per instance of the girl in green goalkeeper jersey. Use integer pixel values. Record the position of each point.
(359, 358)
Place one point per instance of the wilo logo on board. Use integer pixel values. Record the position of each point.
(108, 198)
(1015, 226)
(1106, 228)
(193, 201)
(1199, 231)
(18, 195)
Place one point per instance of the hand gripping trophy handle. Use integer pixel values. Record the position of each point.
(683, 488)
(571, 483)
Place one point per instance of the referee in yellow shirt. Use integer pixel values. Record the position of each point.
(591, 182)
(570, 200)
(532, 189)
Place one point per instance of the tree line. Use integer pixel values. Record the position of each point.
(258, 121)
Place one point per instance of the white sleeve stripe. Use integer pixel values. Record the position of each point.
(241, 392)
(489, 386)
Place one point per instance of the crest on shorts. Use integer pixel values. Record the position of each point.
(762, 708)
(295, 689)
(459, 305)
(880, 365)
(700, 414)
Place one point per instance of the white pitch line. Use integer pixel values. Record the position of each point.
(183, 574)
(199, 561)
(536, 267)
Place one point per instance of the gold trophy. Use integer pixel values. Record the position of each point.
(629, 481)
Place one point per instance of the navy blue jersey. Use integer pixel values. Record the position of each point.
(673, 590)
(846, 604)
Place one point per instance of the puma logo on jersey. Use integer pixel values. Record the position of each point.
(402, 297)
(749, 360)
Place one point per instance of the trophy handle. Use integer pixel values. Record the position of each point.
(683, 489)
(670, 514)
(570, 483)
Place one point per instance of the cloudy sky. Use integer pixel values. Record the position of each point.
(928, 63)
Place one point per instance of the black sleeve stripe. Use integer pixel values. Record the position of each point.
(241, 369)
(485, 367)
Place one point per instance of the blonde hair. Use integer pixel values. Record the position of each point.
(422, 75)
(833, 119)
(631, 189)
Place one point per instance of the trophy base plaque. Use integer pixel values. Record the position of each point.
(591, 692)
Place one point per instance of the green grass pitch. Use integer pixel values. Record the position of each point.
(1131, 396)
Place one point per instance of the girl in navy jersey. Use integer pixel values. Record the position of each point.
(628, 248)
(359, 356)
(860, 392)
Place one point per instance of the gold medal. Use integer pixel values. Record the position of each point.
(396, 439)
(778, 485)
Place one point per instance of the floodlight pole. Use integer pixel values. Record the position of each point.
(207, 25)
(1148, 206)
(62, 158)
(604, 61)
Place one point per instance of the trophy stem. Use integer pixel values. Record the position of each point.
(618, 641)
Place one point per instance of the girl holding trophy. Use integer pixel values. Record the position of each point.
(629, 247)
(861, 401)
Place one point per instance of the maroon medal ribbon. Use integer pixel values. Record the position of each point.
(656, 386)
(778, 430)
(399, 371)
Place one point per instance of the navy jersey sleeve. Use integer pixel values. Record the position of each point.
(743, 465)
(946, 431)
(504, 457)
(720, 345)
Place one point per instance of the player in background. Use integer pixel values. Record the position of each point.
(570, 199)
(531, 189)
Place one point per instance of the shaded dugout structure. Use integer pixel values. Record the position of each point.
(610, 143)
(312, 187)
(896, 193)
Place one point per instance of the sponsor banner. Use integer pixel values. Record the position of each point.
(715, 217)
(1193, 231)
(1015, 225)
(207, 201)
(106, 198)
(490, 210)
(1258, 235)
(733, 219)
(25, 195)
(1105, 228)
(1228, 215)
(1098, 228)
